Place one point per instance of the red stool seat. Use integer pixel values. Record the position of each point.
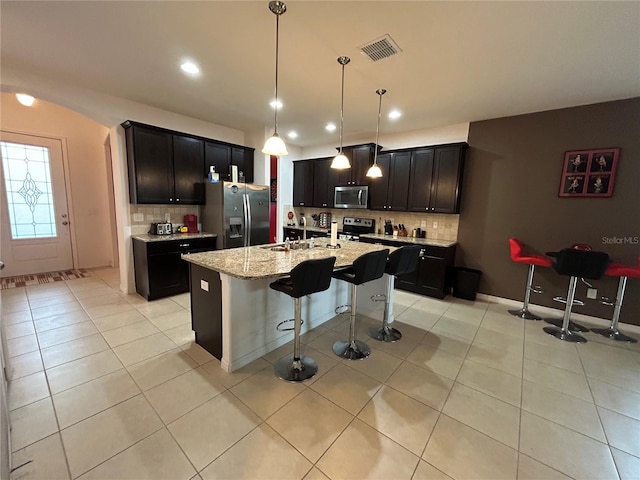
(516, 255)
(624, 272)
(516, 247)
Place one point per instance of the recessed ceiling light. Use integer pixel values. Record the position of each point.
(275, 104)
(293, 134)
(190, 68)
(330, 127)
(24, 99)
(394, 114)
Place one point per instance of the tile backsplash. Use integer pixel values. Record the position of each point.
(156, 213)
(438, 226)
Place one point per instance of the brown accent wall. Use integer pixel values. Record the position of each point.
(510, 189)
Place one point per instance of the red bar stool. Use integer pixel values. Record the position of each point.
(516, 247)
(624, 272)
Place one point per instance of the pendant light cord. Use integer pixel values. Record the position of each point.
(342, 108)
(380, 92)
(275, 116)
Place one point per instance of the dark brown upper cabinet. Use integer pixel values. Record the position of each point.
(163, 168)
(303, 183)
(436, 178)
(390, 191)
(324, 178)
(361, 158)
(168, 167)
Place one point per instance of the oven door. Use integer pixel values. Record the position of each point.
(351, 197)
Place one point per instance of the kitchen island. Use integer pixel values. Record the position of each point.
(234, 313)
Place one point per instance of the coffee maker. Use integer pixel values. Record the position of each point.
(191, 222)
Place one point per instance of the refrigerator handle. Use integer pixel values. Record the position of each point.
(247, 220)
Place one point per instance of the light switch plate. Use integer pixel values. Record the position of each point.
(435, 225)
(138, 217)
(204, 285)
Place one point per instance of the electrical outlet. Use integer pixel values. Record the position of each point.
(167, 217)
(435, 225)
(138, 217)
(592, 293)
(423, 224)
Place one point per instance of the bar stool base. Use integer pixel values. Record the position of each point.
(355, 350)
(524, 314)
(385, 334)
(614, 334)
(565, 335)
(295, 370)
(574, 327)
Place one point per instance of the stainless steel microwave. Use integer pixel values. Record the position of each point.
(352, 196)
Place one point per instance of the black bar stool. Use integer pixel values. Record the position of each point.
(576, 264)
(308, 277)
(401, 261)
(365, 268)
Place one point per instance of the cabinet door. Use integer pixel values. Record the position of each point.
(303, 183)
(379, 187)
(431, 278)
(361, 158)
(150, 157)
(322, 194)
(243, 159)
(168, 275)
(188, 164)
(219, 156)
(420, 181)
(400, 169)
(447, 173)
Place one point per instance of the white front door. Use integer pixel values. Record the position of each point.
(34, 218)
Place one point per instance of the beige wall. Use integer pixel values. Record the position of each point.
(87, 172)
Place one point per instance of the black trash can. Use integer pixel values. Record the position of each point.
(465, 283)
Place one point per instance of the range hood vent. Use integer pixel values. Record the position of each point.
(380, 48)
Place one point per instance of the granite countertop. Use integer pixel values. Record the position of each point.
(145, 237)
(260, 262)
(410, 240)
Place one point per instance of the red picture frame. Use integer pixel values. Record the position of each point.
(589, 173)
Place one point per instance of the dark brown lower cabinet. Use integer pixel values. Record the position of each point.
(433, 277)
(159, 269)
(206, 309)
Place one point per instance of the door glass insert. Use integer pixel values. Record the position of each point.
(27, 180)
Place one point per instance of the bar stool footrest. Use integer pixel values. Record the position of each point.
(279, 326)
(355, 350)
(536, 289)
(385, 334)
(343, 309)
(564, 300)
(380, 297)
(614, 334)
(292, 370)
(565, 335)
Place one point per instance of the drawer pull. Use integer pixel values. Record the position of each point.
(184, 244)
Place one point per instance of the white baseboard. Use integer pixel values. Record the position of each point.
(556, 312)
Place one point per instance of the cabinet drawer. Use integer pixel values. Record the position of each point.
(181, 246)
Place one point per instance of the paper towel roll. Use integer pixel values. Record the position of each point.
(334, 233)
(234, 173)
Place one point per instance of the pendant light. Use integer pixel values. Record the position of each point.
(340, 161)
(374, 171)
(274, 144)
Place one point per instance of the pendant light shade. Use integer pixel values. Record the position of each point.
(274, 145)
(374, 171)
(340, 161)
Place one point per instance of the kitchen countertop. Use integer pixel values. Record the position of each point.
(260, 262)
(410, 240)
(145, 237)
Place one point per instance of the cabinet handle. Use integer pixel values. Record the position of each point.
(170, 199)
(301, 203)
(184, 244)
(177, 199)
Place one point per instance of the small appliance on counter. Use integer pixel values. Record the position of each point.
(164, 228)
(191, 222)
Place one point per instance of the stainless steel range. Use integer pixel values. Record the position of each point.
(353, 227)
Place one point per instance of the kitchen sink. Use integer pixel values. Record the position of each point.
(279, 247)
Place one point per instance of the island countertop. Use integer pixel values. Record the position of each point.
(260, 262)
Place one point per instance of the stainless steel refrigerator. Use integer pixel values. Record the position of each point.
(237, 212)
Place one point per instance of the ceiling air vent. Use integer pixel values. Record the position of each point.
(380, 48)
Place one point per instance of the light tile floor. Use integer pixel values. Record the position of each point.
(109, 386)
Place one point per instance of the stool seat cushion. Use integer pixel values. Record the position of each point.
(403, 260)
(365, 268)
(621, 270)
(307, 277)
(581, 263)
(516, 247)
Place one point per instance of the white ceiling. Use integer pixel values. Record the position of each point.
(461, 61)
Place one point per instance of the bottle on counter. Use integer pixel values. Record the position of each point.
(287, 244)
(312, 242)
(213, 177)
